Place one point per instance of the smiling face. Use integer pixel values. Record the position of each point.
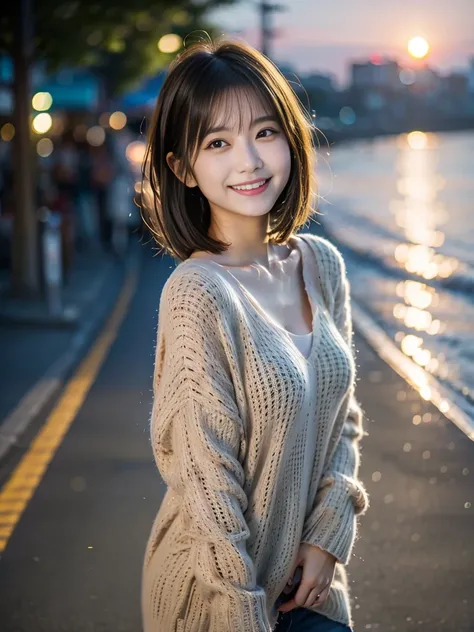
(245, 142)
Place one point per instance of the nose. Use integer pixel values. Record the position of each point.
(248, 157)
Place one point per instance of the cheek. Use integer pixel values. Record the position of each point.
(209, 176)
(205, 172)
(280, 156)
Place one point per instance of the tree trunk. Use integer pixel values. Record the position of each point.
(25, 273)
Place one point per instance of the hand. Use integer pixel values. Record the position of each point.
(317, 577)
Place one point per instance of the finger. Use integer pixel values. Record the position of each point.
(303, 591)
(323, 595)
(288, 605)
(312, 598)
(310, 601)
(295, 579)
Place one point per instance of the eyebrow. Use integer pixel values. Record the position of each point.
(260, 119)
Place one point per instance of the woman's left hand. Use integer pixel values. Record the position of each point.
(318, 573)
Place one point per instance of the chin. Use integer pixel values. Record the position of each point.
(252, 213)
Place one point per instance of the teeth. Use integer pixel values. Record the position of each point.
(249, 187)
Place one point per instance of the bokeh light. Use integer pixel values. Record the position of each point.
(42, 101)
(42, 123)
(117, 120)
(407, 76)
(95, 136)
(347, 115)
(135, 151)
(170, 43)
(45, 147)
(7, 132)
(417, 140)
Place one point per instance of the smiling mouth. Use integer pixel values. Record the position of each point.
(262, 185)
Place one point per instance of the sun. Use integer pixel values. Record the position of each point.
(418, 47)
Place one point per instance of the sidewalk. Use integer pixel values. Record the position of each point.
(38, 351)
(80, 287)
(412, 565)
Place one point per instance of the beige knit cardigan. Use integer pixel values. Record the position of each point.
(258, 447)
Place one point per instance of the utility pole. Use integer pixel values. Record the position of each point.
(25, 274)
(267, 33)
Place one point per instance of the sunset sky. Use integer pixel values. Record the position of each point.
(325, 36)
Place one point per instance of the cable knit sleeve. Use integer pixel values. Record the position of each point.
(332, 525)
(198, 437)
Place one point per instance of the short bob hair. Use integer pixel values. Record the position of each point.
(199, 81)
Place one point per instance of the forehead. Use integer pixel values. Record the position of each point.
(237, 109)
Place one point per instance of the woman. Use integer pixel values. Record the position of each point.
(254, 426)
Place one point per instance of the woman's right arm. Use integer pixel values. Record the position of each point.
(197, 436)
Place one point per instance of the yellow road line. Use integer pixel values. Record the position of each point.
(26, 477)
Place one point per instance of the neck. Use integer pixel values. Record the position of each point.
(248, 241)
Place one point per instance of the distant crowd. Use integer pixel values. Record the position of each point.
(91, 187)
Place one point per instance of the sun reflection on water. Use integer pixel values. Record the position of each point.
(420, 213)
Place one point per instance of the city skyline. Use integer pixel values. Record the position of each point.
(344, 33)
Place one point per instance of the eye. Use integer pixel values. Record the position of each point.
(220, 140)
(268, 129)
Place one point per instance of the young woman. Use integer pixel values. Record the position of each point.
(255, 426)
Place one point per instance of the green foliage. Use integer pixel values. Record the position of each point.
(117, 38)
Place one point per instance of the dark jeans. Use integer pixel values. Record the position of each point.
(303, 620)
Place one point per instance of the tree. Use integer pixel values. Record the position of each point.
(116, 38)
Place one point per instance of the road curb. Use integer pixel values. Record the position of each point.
(30, 406)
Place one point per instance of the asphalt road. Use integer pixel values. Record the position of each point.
(73, 562)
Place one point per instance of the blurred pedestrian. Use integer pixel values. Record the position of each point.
(65, 175)
(120, 199)
(87, 210)
(102, 175)
(255, 428)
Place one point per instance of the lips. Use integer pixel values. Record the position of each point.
(252, 192)
(248, 184)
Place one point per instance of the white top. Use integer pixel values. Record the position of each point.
(303, 342)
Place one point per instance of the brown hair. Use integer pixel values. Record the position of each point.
(200, 80)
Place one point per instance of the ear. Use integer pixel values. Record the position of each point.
(173, 164)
